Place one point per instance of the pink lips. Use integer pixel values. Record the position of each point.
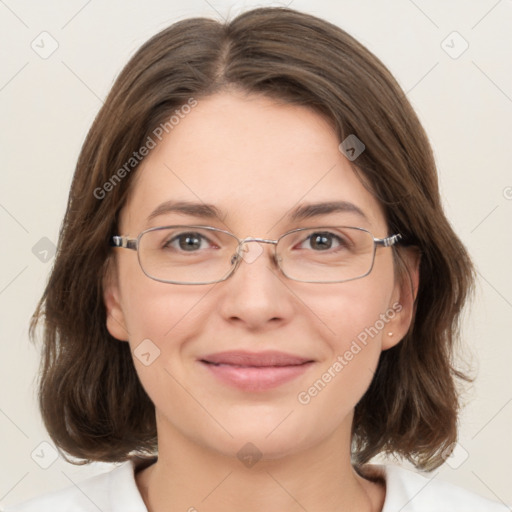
(256, 371)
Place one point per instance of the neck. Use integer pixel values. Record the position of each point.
(192, 478)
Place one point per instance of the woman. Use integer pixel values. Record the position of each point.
(256, 289)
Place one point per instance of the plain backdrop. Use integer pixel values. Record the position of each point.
(463, 97)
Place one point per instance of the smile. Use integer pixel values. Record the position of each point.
(255, 371)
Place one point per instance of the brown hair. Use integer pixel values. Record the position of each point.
(92, 402)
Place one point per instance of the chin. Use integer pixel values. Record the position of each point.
(272, 436)
(251, 446)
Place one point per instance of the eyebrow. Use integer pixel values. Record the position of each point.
(207, 211)
(301, 212)
(308, 211)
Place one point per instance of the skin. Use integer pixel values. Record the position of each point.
(255, 159)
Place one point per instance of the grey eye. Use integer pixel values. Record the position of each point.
(189, 242)
(322, 241)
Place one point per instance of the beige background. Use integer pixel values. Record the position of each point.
(465, 103)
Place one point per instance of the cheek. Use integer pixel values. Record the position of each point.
(355, 310)
(161, 320)
(151, 309)
(355, 316)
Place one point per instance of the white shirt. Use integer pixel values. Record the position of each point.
(116, 491)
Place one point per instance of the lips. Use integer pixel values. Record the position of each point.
(269, 358)
(255, 371)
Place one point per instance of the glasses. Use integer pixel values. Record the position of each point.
(205, 255)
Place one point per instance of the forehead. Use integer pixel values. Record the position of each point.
(255, 161)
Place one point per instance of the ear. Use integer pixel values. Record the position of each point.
(404, 297)
(116, 324)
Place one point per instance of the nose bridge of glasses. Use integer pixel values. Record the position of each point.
(257, 249)
(253, 239)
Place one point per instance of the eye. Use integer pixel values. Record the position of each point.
(324, 240)
(189, 242)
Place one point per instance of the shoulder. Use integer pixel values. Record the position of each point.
(112, 491)
(409, 491)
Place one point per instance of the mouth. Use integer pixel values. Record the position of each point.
(255, 371)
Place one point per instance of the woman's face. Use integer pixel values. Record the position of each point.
(255, 161)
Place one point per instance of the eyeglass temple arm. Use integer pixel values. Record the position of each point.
(124, 241)
(389, 241)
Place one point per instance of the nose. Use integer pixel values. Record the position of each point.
(255, 294)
